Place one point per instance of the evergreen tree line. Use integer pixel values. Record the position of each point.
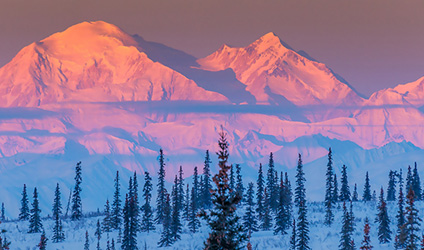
(269, 205)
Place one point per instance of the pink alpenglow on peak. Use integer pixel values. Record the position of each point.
(272, 72)
(92, 62)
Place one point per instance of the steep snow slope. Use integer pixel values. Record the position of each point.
(94, 62)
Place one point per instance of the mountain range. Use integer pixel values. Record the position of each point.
(97, 94)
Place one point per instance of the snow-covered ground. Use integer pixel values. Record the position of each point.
(322, 237)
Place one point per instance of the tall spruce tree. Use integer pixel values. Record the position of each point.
(35, 224)
(271, 184)
(413, 222)
(288, 194)
(335, 189)
(355, 193)
(391, 187)
(166, 235)
(302, 238)
(346, 231)
(282, 218)
(196, 182)
(366, 242)
(176, 225)
(87, 241)
(181, 187)
(409, 180)
(206, 201)
(367, 189)
(383, 220)
(24, 210)
(400, 216)
(232, 178)
(193, 220)
(147, 224)
(135, 204)
(344, 189)
(416, 184)
(98, 234)
(329, 186)
(226, 231)
(293, 236)
(161, 197)
(260, 194)
(107, 220)
(187, 204)
(266, 222)
(58, 233)
(116, 218)
(129, 238)
(76, 195)
(250, 222)
(239, 181)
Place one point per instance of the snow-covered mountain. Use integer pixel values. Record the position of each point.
(92, 62)
(97, 94)
(274, 73)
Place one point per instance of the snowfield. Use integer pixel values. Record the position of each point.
(322, 237)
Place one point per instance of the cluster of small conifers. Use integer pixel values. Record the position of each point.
(269, 206)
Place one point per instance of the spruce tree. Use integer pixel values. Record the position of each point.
(409, 180)
(383, 220)
(366, 242)
(3, 214)
(232, 177)
(226, 232)
(166, 235)
(76, 195)
(42, 245)
(161, 197)
(355, 193)
(335, 189)
(24, 210)
(58, 234)
(400, 216)
(147, 224)
(344, 190)
(98, 234)
(116, 218)
(293, 236)
(282, 218)
(302, 238)
(367, 189)
(391, 187)
(135, 204)
(329, 186)
(346, 231)
(107, 220)
(176, 226)
(180, 184)
(250, 222)
(129, 238)
(187, 203)
(35, 224)
(206, 201)
(239, 181)
(266, 223)
(193, 222)
(196, 182)
(416, 183)
(271, 184)
(87, 241)
(413, 222)
(260, 194)
(288, 195)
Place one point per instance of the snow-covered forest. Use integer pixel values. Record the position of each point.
(222, 211)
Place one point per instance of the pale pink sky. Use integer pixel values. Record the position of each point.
(373, 44)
